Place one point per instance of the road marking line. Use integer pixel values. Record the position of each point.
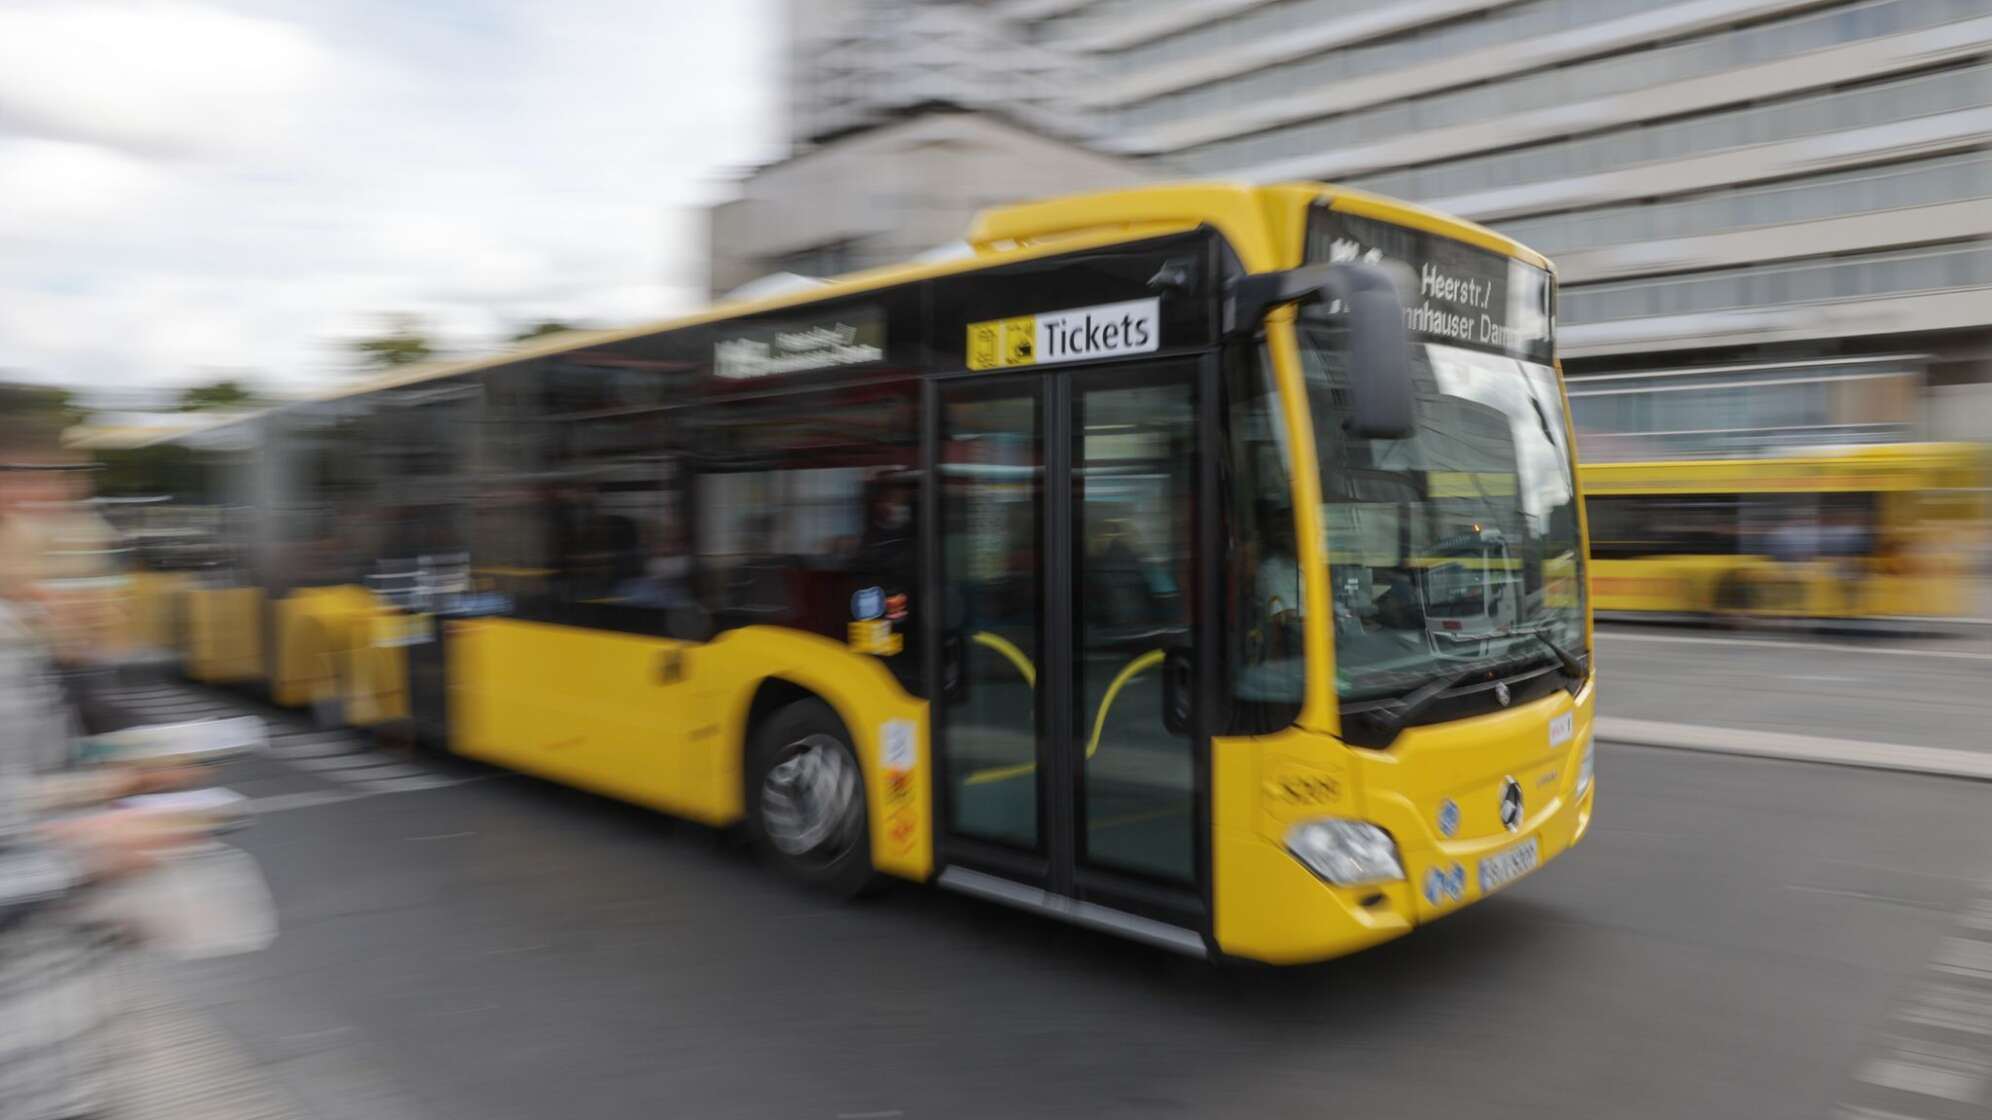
(312, 748)
(1766, 643)
(279, 802)
(412, 784)
(1963, 956)
(155, 708)
(1862, 1112)
(1929, 1081)
(1979, 916)
(302, 738)
(1951, 1007)
(1954, 1012)
(1941, 761)
(352, 762)
(365, 769)
(383, 772)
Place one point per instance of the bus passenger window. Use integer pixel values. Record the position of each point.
(608, 520)
(806, 517)
(1633, 526)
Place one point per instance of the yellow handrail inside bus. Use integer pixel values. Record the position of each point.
(1001, 773)
(1008, 649)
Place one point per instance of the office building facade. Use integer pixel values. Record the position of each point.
(1769, 216)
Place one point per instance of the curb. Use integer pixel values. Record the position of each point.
(1939, 761)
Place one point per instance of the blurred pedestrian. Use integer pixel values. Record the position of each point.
(58, 557)
(59, 968)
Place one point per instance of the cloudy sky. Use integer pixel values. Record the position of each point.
(193, 186)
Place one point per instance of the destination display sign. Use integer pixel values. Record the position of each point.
(847, 338)
(1464, 295)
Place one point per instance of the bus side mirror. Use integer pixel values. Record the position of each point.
(1380, 404)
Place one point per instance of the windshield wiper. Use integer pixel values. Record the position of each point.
(1573, 667)
(1418, 699)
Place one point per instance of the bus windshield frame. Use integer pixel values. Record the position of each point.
(1455, 558)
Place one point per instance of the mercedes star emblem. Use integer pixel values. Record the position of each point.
(1511, 805)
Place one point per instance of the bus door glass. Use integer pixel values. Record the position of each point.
(1068, 562)
(1134, 465)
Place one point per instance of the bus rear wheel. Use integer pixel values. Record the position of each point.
(806, 799)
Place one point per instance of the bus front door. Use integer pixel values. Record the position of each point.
(1071, 761)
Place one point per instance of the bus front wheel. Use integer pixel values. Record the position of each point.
(806, 799)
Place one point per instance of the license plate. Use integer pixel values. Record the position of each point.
(1502, 868)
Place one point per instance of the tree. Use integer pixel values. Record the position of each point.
(226, 393)
(543, 328)
(41, 405)
(402, 342)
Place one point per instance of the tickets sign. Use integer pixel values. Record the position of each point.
(1106, 330)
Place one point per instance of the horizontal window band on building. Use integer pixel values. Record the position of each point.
(1551, 87)
(1966, 265)
(1589, 383)
(1119, 25)
(1744, 409)
(1888, 102)
(1321, 39)
(1579, 390)
(1735, 441)
(1319, 84)
(1954, 178)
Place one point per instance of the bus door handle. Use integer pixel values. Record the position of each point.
(1178, 689)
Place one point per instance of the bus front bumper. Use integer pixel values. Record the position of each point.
(1271, 907)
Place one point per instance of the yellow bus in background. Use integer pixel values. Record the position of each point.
(1890, 531)
(1087, 572)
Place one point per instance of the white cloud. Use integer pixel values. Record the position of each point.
(61, 182)
(159, 77)
(481, 164)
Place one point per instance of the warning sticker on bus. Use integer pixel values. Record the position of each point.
(1106, 330)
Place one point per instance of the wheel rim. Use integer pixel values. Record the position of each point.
(809, 801)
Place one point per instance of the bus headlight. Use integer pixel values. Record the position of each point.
(1584, 767)
(1346, 853)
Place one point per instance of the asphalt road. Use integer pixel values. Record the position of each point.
(1735, 938)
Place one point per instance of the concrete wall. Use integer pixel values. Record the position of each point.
(895, 191)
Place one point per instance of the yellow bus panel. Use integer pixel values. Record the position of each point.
(225, 634)
(663, 723)
(313, 630)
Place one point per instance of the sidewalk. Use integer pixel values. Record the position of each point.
(1975, 765)
(181, 1066)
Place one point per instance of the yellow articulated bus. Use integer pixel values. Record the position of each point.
(1884, 532)
(1092, 572)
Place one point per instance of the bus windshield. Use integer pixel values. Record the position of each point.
(1457, 549)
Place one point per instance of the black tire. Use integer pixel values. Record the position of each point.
(1735, 596)
(818, 831)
